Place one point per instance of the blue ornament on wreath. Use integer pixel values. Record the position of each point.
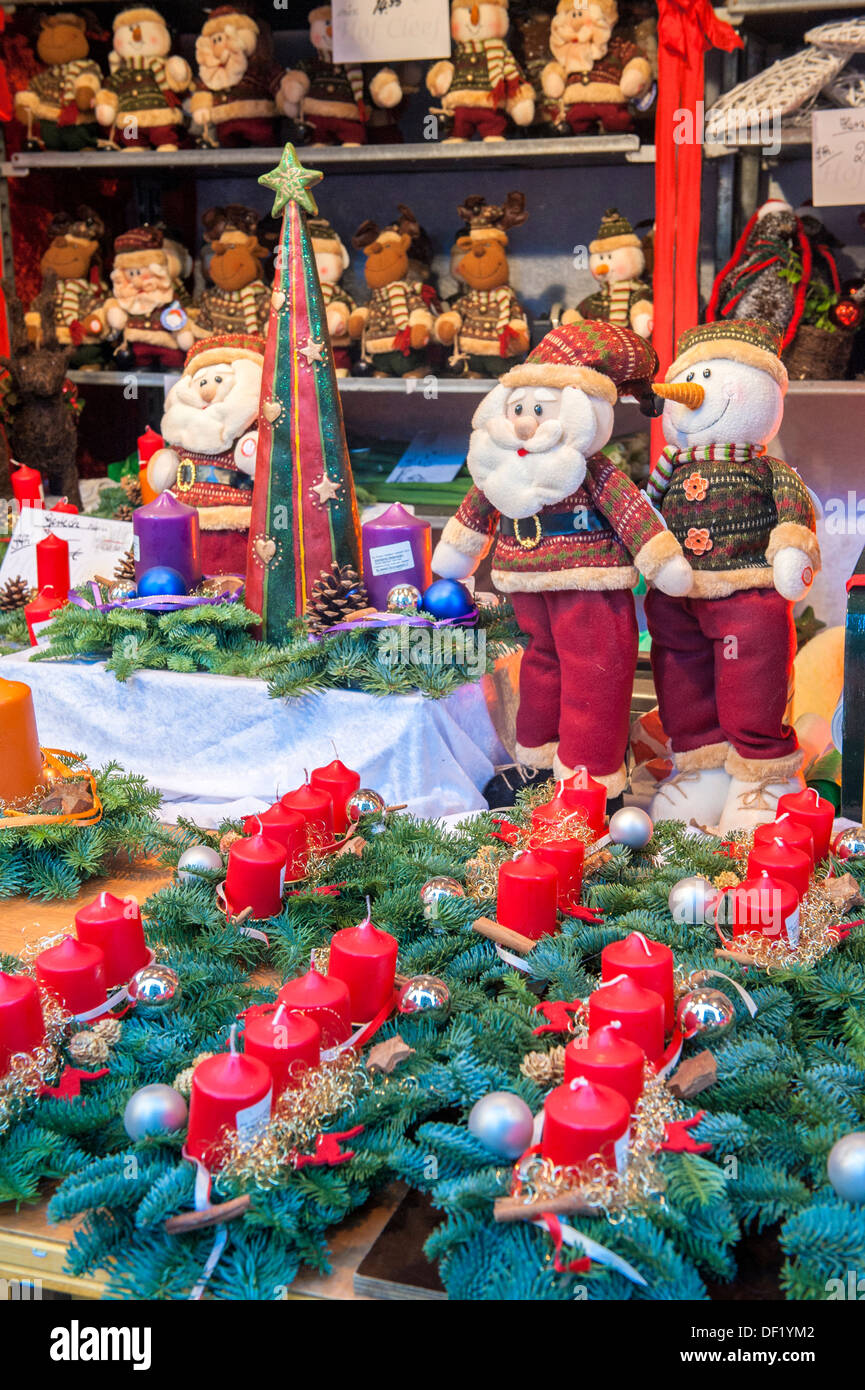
(161, 581)
(447, 598)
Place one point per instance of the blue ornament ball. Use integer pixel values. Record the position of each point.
(159, 581)
(447, 598)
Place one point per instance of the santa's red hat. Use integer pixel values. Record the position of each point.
(593, 355)
(224, 347)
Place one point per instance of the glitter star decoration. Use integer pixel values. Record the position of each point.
(326, 489)
(312, 351)
(291, 182)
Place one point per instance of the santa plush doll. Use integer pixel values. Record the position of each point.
(594, 71)
(233, 102)
(572, 535)
(332, 97)
(722, 656)
(617, 262)
(148, 308)
(210, 428)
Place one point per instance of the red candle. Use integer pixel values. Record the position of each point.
(340, 782)
(52, 564)
(115, 926)
(364, 958)
(581, 1119)
(64, 505)
(552, 812)
(566, 857)
(766, 905)
(780, 860)
(582, 793)
(148, 443)
(27, 486)
(40, 609)
(811, 809)
(324, 999)
(608, 1059)
(791, 831)
(22, 1027)
(640, 1012)
(649, 963)
(287, 828)
(288, 1044)
(255, 876)
(75, 972)
(316, 807)
(230, 1093)
(528, 892)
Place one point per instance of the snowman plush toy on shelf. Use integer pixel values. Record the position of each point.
(722, 655)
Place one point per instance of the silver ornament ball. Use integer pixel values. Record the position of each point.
(631, 826)
(154, 985)
(693, 900)
(154, 1110)
(196, 861)
(503, 1123)
(705, 1013)
(850, 844)
(121, 591)
(364, 802)
(423, 992)
(436, 891)
(845, 1167)
(403, 598)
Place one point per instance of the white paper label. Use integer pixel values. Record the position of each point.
(38, 630)
(252, 1119)
(620, 1149)
(282, 879)
(388, 559)
(792, 925)
(136, 548)
(838, 157)
(384, 31)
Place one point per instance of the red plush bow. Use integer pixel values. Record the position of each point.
(677, 1139)
(558, 1016)
(327, 1150)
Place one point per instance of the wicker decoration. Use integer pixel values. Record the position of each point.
(848, 89)
(14, 594)
(815, 354)
(335, 597)
(783, 88)
(125, 568)
(848, 36)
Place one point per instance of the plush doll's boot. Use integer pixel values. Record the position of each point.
(696, 794)
(755, 785)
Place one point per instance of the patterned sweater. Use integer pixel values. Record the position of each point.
(235, 311)
(140, 87)
(392, 310)
(617, 303)
(486, 74)
(75, 300)
(732, 514)
(485, 317)
(603, 82)
(51, 94)
(608, 535)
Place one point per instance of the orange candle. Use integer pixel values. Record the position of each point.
(21, 761)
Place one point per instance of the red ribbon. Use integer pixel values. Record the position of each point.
(581, 1265)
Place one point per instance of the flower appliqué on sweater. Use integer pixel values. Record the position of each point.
(698, 540)
(696, 487)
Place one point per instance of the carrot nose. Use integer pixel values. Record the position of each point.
(475, 15)
(688, 393)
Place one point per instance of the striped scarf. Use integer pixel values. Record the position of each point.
(502, 71)
(620, 297)
(672, 458)
(396, 294)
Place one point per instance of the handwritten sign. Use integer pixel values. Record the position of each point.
(95, 544)
(838, 158)
(385, 31)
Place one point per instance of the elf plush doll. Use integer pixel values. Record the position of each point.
(722, 656)
(481, 84)
(572, 535)
(486, 325)
(238, 301)
(617, 261)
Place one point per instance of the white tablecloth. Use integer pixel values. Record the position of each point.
(218, 747)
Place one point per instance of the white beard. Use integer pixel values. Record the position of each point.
(219, 76)
(187, 424)
(141, 302)
(578, 54)
(518, 486)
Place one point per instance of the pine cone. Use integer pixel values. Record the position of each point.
(109, 1029)
(88, 1048)
(125, 568)
(183, 1080)
(334, 597)
(123, 513)
(14, 594)
(545, 1068)
(228, 839)
(132, 487)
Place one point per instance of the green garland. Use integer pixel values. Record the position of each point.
(790, 1082)
(216, 639)
(13, 632)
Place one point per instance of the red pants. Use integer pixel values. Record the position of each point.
(721, 669)
(335, 130)
(469, 120)
(612, 117)
(577, 674)
(245, 130)
(164, 358)
(154, 135)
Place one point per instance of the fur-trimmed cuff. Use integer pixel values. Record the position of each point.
(229, 518)
(698, 759)
(652, 556)
(791, 533)
(536, 757)
(615, 782)
(420, 316)
(763, 769)
(464, 539)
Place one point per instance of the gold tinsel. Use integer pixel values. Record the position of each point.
(603, 1189)
(482, 871)
(545, 1068)
(726, 880)
(818, 934)
(183, 1080)
(88, 1049)
(30, 1071)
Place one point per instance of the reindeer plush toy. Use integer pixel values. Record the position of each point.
(486, 325)
(396, 324)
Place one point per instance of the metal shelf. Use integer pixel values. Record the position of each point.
(576, 149)
(759, 7)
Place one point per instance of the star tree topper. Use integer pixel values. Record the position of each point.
(291, 182)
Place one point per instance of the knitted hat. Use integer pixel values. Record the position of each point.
(224, 347)
(323, 234)
(138, 239)
(138, 15)
(614, 231)
(750, 341)
(239, 19)
(595, 356)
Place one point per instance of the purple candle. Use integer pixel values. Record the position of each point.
(397, 549)
(165, 532)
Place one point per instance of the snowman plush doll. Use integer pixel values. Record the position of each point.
(722, 655)
(617, 262)
(572, 534)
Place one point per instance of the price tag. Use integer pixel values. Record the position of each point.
(385, 31)
(838, 158)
